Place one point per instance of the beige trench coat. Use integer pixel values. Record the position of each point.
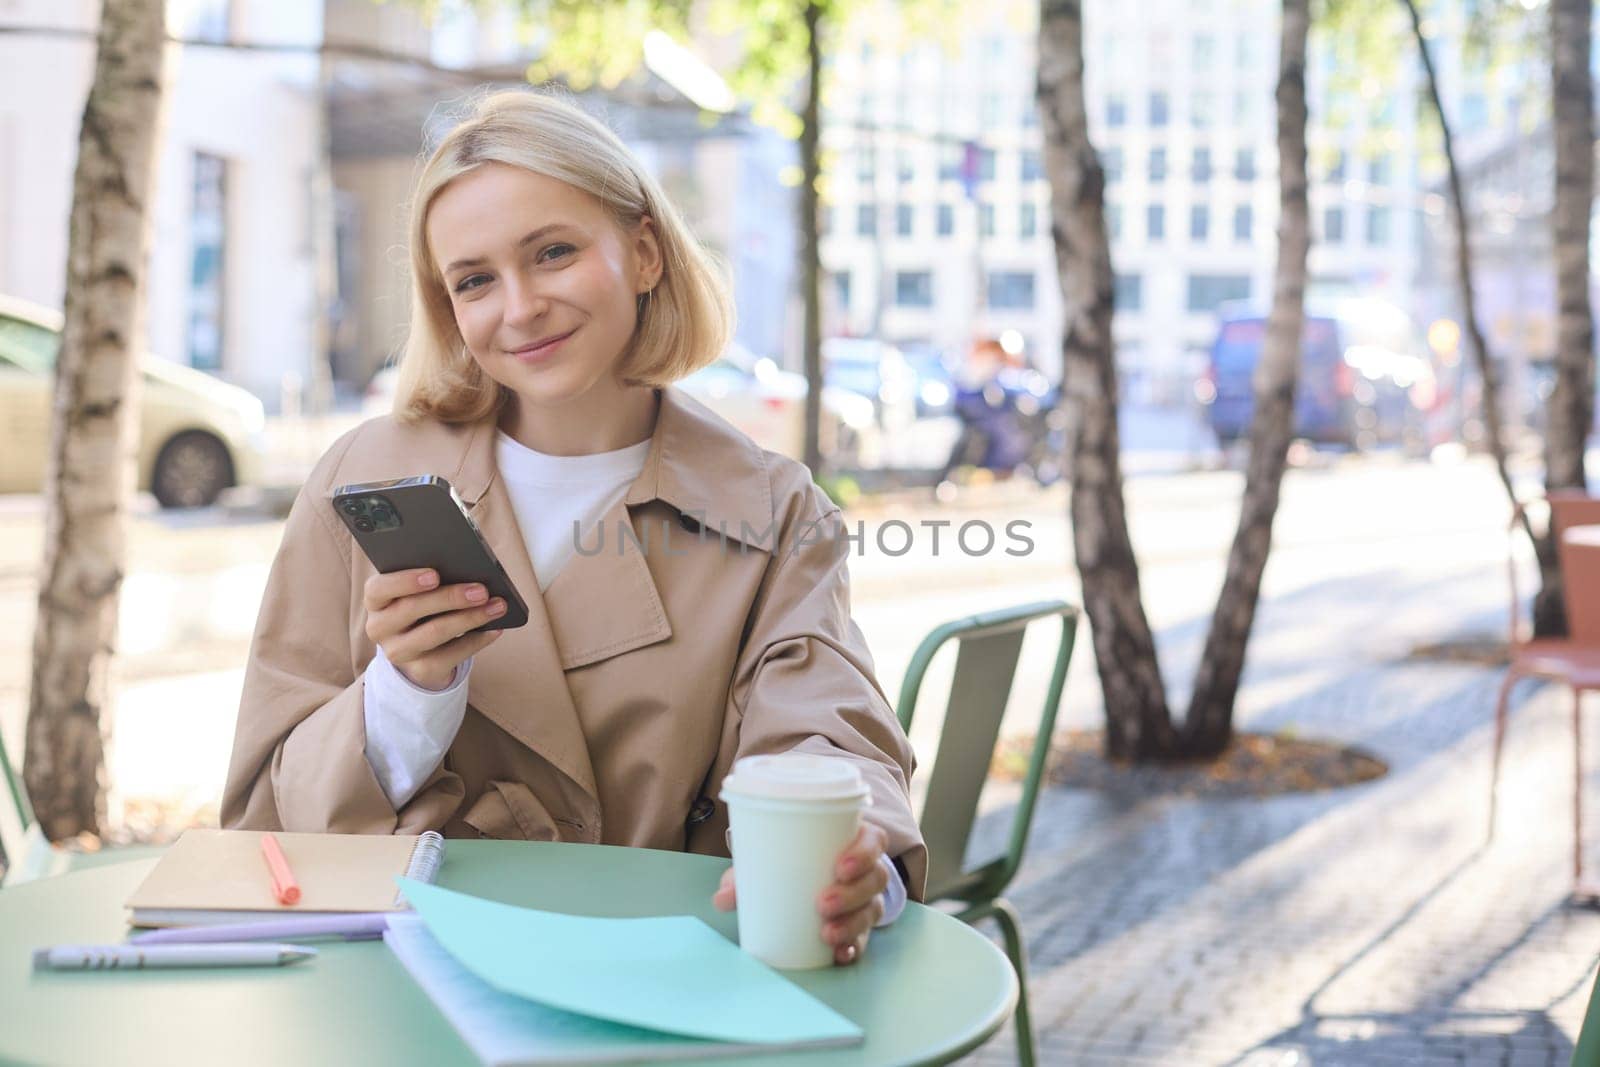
(721, 629)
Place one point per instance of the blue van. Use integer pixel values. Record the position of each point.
(1355, 376)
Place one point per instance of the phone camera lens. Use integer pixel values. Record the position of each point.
(365, 525)
(382, 513)
(352, 507)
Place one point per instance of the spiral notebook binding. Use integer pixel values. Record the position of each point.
(426, 856)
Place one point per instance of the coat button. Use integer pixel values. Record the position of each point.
(702, 810)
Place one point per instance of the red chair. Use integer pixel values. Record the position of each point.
(1574, 659)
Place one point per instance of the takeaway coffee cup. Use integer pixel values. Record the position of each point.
(790, 816)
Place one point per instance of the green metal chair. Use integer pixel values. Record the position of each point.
(988, 649)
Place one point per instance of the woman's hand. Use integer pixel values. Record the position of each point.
(428, 653)
(852, 904)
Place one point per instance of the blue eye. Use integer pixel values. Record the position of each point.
(471, 281)
(555, 251)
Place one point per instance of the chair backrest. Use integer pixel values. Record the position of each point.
(1580, 583)
(988, 649)
(15, 814)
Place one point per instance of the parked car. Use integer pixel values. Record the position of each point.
(197, 435)
(768, 403)
(1359, 367)
(754, 395)
(936, 386)
(876, 370)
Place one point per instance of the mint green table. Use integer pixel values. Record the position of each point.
(929, 989)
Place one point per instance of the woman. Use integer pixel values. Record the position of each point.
(684, 609)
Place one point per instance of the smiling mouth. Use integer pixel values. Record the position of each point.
(539, 348)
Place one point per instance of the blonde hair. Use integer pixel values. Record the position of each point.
(684, 322)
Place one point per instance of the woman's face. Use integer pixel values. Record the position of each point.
(543, 282)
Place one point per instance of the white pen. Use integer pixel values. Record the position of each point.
(354, 926)
(133, 957)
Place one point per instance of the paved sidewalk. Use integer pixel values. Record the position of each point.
(1369, 925)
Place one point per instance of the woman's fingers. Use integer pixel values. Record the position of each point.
(433, 670)
(383, 589)
(433, 635)
(861, 854)
(725, 899)
(849, 935)
(402, 613)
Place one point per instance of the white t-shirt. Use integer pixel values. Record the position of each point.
(555, 499)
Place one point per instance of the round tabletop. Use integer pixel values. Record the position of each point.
(929, 989)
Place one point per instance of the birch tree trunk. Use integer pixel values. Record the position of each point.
(1477, 347)
(1571, 407)
(90, 479)
(1209, 724)
(1138, 723)
(810, 250)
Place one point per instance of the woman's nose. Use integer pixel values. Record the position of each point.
(524, 303)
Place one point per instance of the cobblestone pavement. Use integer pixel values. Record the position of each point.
(1371, 925)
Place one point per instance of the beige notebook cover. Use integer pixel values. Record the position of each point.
(213, 876)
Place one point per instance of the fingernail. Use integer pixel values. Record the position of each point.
(427, 579)
(477, 594)
(830, 901)
(497, 608)
(849, 868)
(849, 953)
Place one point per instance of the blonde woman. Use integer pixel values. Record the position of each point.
(556, 298)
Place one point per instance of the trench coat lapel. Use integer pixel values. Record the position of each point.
(518, 682)
(604, 602)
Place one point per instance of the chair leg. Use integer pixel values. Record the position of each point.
(1500, 708)
(1011, 930)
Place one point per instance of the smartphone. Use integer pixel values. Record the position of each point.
(420, 522)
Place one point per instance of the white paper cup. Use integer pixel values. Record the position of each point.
(790, 816)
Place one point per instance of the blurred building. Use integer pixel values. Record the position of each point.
(233, 269)
(937, 225)
(293, 135)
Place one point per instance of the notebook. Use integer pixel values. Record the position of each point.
(529, 987)
(219, 876)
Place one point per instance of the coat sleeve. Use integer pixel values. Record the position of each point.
(299, 748)
(804, 681)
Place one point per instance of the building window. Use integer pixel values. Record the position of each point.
(1011, 290)
(1205, 50)
(866, 166)
(1114, 221)
(986, 164)
(825, 219)
(1380, 171)
(1336, 168)
(841, 290)
(1158, 166)
(1155, 222)
(905, 167)
(989, 111)
(903, 219)
(1200, 168)
(950, 163)
(1244, 165)
(206, 20)
(1333, 225)
(1199, 222)
(1116, 110)
(208, 227)
(1111, 163)
(1128, 291)
(1244, 223)
(1206, 291)
(867, 220)
(1377, 225)
(947, 220)
(913, 288)
(1032, 166)
(1028, 221)
(1202, 110)
(985, 220)
(1158, 109)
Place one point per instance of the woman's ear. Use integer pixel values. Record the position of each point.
(647, 250)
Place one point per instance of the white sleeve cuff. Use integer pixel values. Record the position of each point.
(409, 728)
(894, 895)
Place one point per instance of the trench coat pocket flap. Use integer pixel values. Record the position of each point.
(509, 811)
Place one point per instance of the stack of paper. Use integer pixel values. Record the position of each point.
(531, 987)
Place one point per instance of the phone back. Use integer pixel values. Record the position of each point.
(417, 522)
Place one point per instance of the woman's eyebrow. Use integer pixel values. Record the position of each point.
(527, 240)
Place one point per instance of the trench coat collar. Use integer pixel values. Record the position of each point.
(705, 469)
(606, 603)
